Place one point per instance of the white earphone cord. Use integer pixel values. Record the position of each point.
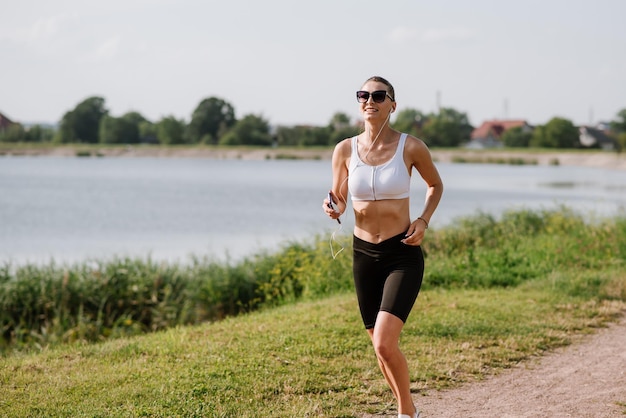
(333, 237)
(377, 135)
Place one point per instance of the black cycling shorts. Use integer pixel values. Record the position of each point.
(387, 277)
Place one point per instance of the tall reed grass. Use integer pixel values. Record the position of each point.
(97, 300)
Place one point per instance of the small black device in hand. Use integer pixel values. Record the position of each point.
(331, 203)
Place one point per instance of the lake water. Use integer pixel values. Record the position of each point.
(73, 209)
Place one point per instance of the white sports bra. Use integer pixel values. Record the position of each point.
(390, 180)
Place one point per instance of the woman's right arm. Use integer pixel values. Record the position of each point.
(339, 190)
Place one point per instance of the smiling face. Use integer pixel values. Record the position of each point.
(373, 111)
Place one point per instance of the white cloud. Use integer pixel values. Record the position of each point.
(402, 34)
(42, 36)
(46, 28)
(107, 50)
(446, 35)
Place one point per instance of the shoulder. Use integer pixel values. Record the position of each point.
(414, 144)
(343, 148)
(416, 150)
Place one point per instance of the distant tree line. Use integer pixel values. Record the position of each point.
(213, 122)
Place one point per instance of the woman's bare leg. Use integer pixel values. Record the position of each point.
(385, 338)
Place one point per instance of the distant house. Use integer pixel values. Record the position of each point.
(489, 134)
(5, 122)
(596, 138)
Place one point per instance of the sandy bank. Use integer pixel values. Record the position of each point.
(610, 160)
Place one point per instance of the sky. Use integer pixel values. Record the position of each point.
(296, 62)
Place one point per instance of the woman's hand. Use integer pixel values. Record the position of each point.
(415, 233)
(330, 209)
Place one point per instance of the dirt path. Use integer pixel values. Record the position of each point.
(585, 379)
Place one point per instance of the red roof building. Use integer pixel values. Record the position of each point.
(5, 122)
(489, 134)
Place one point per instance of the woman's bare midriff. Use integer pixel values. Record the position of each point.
(378, 220)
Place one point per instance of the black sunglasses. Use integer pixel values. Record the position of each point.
(378, 96)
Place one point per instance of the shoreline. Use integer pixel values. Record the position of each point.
(580, 158)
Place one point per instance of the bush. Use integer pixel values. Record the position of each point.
(480, 251)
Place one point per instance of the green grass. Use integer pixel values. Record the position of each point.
(284, 337)
(97, 300)
(306, 359)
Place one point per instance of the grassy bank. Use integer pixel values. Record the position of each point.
(95, 301)
(305, 359)
(42, 305)
(289, 341)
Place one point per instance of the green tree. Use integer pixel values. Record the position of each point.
(286, 136)
(19, 133)
(410, 121)
(251, 130)
(619, 123)
(449, 128)
(118, 130)
(340, 128)
(335, 136)
(516, 137)
(148, 132)
(211, 119)
(557, 133)
(618, 128)
(83, 123)
(135, 119)
(340, 120)
(621, 141)
(170, 131)
(14, 133)
(538, 137)
(303, 135)
(38, 133)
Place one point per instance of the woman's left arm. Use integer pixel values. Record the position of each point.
(420, 158)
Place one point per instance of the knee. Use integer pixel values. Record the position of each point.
(385, 350)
